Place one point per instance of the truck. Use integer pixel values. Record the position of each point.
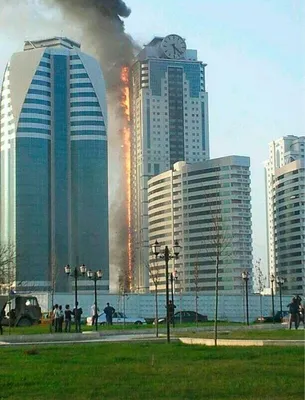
(19, 310)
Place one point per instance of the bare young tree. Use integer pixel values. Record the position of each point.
(124, 280)
(220, 240)
(7, 267)
(260, 282)
(196, 276)
(154, 274)
(124, 288)
(53, 275)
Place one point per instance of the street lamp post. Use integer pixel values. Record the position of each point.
(272, 279)
(95, 276)
(280, 281)
(76, 273)
(167, 256)
(245, 275)
(172, 290)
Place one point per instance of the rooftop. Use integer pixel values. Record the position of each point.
(55, 41)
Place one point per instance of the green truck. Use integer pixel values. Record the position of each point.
(19, 310)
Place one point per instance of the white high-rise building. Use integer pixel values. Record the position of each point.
(169, 124)
(53, 162)
(285, 191)
(206, 207)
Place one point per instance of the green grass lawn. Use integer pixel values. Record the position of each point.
(151, 372)
(281, 334)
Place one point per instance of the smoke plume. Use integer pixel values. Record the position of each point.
(104, 31)
(102, 34)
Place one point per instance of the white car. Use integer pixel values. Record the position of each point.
(118, 318)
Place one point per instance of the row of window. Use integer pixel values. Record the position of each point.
(41, 83)
(37, 101)
(34, 130)
(79, 75)
(36, 111)
(32, 120)
(86, 132)
(81, 85)
(43, 73)
(87, 123)
(77, 66)
(83, 94)
(85, 113)
(48, 131)
(85, 104)
(39, 92)
(44, 64)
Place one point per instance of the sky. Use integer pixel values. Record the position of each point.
(254, 51)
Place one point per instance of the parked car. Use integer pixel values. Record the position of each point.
(278, 317)
(118, 318)
(186, 316)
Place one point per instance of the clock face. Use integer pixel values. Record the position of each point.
(173, 46)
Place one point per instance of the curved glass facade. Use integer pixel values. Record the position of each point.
(53, 165)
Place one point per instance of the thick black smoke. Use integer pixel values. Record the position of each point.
(114, 7)
(103, 31)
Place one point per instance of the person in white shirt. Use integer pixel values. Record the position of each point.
(94, 313)
(56, 316)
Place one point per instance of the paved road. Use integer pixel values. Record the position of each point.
(119, 335)
(67, 339)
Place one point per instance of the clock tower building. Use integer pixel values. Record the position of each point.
(169, 116)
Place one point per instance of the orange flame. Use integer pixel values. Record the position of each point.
(127, 157)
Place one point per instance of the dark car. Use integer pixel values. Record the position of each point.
(186, 316)
(278, 317)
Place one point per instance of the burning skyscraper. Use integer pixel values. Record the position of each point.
(169, 114)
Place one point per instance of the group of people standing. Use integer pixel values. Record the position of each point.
(60, 317)
(296, 312)
(108, 311)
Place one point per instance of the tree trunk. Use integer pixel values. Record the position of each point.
(216, 302)
(156, 304)
(261, 304)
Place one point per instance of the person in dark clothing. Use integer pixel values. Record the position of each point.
(109, 310)
(77, 312)
(298, 300)
(68, 318)
(171, 311)
(2, 315)
(300, 310)
(293, 313)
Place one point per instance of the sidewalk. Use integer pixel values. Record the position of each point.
(73, 338)
(242, 342)
(148, 335)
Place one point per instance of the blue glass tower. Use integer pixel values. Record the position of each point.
(53, 163)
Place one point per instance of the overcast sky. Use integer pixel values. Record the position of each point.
(255, 74)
